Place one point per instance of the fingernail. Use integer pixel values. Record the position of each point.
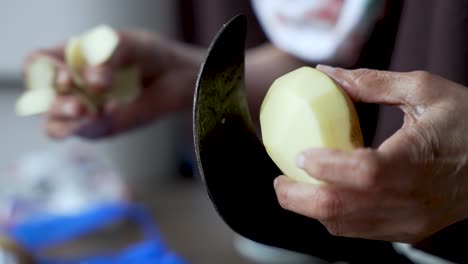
(277, 179)
(98, 78)
(63, 81)
(69, 109)
(325, 68)
(300, 161)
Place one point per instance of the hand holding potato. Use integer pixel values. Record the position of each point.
(413, 185)
(107, 82)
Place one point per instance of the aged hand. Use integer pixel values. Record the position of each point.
(411, 186)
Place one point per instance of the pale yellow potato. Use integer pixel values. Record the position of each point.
(306, 109)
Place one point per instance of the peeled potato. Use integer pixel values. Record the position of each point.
(92, 48)
(306, 109)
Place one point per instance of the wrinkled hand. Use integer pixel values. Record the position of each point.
(413, 185)
(168, 73)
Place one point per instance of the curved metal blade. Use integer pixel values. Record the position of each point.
(238, 173)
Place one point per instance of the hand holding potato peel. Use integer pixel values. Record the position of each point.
(93, 48)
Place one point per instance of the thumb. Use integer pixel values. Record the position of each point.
(381, 87)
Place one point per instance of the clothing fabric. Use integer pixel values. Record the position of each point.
(432, 36)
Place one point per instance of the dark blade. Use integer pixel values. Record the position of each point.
(238, 173)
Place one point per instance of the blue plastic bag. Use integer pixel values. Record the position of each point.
(38, 235)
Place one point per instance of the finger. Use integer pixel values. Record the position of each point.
(384, 220)
(67, 107)
(359, 169)
(58, 51)
(407, 164)
(323, 203)
(366, 226)
(98, 78)
(95, 128)
(60, 129)
(63, 79)
(343, 212)
(87, 127)
(320, 202)
(371, 217)
(372, 86)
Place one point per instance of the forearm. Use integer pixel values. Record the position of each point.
(170, 69)
(263, 65)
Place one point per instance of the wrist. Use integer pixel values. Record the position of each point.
(183, 73)
(168, 66)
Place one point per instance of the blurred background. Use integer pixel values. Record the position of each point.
(156, 162)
